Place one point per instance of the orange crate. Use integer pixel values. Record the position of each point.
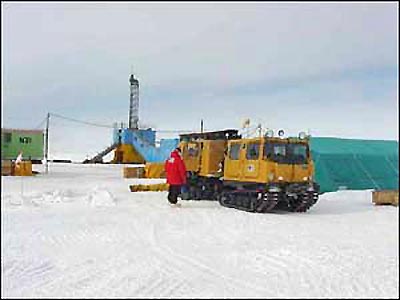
(133, 172)
(24, 168)
(386, 197)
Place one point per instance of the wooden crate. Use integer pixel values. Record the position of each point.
(149, 187)
(386, 197)
(6, 167)
(134, 172)
(24, 168)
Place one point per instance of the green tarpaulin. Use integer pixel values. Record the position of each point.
(355, 164)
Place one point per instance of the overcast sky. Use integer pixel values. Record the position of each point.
(331, 68)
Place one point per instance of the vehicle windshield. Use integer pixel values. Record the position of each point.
(286, 153)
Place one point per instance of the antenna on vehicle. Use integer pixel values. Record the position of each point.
(246, 124)
(259, 127)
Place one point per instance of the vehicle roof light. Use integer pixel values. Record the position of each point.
(302, 135)
(269, 133)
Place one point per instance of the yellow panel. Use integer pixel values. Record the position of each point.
(155, 170)
(251, 167)
(23, 168)
(285, 172)
(191, 155)
(149, 187)
(212, 155)
(126, 153)
(261, 170)
(232, 167)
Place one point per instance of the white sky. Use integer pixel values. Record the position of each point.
(328, 67)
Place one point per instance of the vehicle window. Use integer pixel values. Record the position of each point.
(234, 151)
(253, 151)
(272, 150)
(297, 153)
(192, 150)
(268, 151)
(275, 152)
(286, 153)
(279, 150)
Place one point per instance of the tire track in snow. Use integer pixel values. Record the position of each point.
(9, 267)
(32, 273)
(112, 282)
(162, 285)
(183, 262)
(293, 269)
(351, 278)
(71, 280)
(77, 276)
(37, 270)
(155, 286)
(172, 265)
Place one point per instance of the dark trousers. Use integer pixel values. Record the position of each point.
(173, 193)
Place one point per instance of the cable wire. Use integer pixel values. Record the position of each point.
(107, 126)
(79, 121)
(40, 124)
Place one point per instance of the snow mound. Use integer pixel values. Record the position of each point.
(13, 200)
(56, 196)
(101, 197)
(41, 198)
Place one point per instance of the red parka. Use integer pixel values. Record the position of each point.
(175, 169)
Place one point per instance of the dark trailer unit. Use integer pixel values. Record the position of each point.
(227, 134)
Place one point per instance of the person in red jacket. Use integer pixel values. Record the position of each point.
(176, 174)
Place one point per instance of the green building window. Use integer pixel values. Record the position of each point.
(7, 137)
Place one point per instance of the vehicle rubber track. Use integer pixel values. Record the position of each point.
(303, 202)
(250, 201)
(204, 191)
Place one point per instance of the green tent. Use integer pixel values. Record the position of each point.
(355, 164)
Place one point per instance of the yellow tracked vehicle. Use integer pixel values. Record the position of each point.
(253, 174)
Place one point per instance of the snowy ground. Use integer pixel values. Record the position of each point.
(79, 232)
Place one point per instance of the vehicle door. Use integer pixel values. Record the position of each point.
(232, 164)
(251, 161)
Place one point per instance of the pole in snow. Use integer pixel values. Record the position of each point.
(46, 154)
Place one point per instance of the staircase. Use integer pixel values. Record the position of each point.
(98, 158)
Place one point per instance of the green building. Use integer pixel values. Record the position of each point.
(30, 142)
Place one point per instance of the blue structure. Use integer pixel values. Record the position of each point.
(144, 142)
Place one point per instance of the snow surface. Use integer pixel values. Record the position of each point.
(79, 232)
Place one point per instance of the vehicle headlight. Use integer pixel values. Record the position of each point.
(305, 178)
(274, 189)
(280, 178)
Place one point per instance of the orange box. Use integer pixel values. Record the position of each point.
(6, 167)
(134, 172)
(24, 168)
(386, 197)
